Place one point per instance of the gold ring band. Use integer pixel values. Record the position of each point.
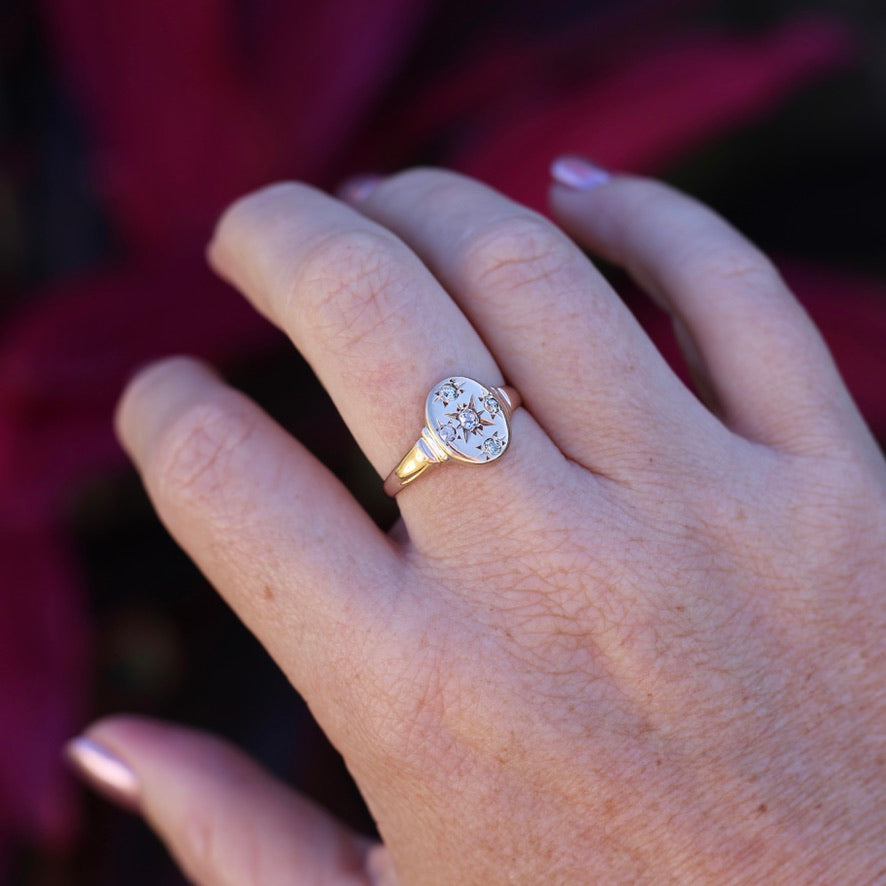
(466, 421)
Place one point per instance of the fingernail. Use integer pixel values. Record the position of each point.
(358, 187)
(104, 770)
(578, 173)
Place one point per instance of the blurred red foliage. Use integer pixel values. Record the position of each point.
(186, 107)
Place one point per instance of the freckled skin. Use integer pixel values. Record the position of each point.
(647, 645)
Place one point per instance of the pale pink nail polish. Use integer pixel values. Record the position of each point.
(104, 770)
(577, 173)
(358, 187)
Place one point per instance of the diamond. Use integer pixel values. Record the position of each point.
(491, 405)
(447, 393)
(492, 446)
(468, 419)
(447, 433)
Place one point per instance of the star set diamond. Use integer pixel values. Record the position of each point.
(468, 420)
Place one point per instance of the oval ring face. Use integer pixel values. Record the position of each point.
(468, 420)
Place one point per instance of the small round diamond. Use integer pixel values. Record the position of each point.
(468, 419)
(492, 406)
(448, 392)
(492, 446)
(447, 433)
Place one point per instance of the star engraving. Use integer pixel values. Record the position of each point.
(493, 446)
(491, 405)
(448, 392)
(469, 419)
(446, 431)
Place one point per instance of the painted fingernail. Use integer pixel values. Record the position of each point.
(104, 770)
(358, 187)
(578, 173)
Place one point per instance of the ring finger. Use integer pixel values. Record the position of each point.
(584, 366)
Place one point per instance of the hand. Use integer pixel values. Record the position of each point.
(647, 645)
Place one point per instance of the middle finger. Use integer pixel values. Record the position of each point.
(372, 321)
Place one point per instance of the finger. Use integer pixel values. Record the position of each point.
(769, 369)
(375, 325)
(279, 537)
(585, 368)
(224, 819)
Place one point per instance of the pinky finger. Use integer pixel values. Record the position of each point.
(764, 365)
(223, 818)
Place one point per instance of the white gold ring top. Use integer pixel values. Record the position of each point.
(466, 421)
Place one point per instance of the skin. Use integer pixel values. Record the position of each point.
(648, 645)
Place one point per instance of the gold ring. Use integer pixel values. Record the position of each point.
(465, 421)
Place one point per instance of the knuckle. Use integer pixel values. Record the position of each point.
(520, 251)
(273, 197)
(414, 709)
(195, 457)
(714, 251)
(425, 183)
(270, 199)
(741, 264)
(410, 708)
(208, 852)
(351, 282)
(199, 845)
(831, 509)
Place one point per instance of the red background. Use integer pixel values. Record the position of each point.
(128, 124)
